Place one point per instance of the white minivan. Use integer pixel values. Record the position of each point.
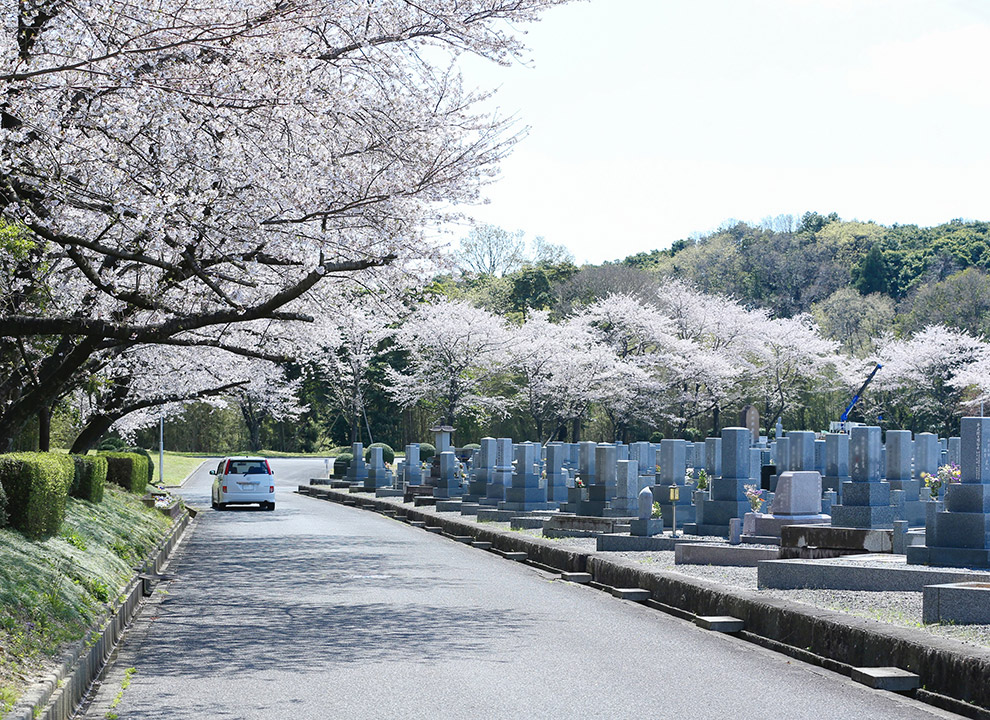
(243, 481)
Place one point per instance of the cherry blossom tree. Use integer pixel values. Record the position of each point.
(651, 359)
(141, 383)
(178, 168)
(791, 356)
(457, 354)
(925, 376)
(560, 371)
(719, 338)
(345, 361)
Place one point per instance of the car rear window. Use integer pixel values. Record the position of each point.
(247, 467)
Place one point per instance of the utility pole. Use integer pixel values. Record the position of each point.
(161, 448)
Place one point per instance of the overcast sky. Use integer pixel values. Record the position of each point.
(652, 120)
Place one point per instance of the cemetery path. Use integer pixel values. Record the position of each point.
(323, 611)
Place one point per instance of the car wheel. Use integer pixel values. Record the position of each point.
(221, 506)
(269, 506)
(213, 503)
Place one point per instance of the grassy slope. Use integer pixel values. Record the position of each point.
(52, 591)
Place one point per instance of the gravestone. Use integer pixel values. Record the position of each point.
(525, 493)
(673, 469)
(603, 488)
(749, 418)
(836, 463)
(441, 438)
(481, 471)
(556, 474)
(606, 457)
(413, 469)
(501, 474)
(900, 457)
(400, 474)
(820, 456)
(646, 459)
(586, 462)
(865, 497)
(728, 494)
(626, 500)
(645, 525)
(801, 449)
(782, 457)
(357, 473)
(954, 451)
(797, 501)
(713, 457)
(926, 454)
(448, 481)
(960, 536)
(378, 474)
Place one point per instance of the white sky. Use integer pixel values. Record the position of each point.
(651, 120)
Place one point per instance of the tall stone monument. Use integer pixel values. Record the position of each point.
(525, 492)
(673, 468)
(865, 497)
(501, 474)
(960, 536)
(728, 494)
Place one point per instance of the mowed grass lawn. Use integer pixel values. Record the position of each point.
(178, 466)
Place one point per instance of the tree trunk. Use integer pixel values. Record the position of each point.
(91, 434)
(576, 430)
(44, 429)
(715, 421)
(253, 423)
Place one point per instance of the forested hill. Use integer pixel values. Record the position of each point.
(931, 274)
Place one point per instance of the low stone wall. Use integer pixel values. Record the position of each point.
(57, 696)
(945, 667)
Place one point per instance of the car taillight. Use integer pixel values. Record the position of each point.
(271, 488)
(225, 488)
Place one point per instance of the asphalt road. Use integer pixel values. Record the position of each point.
(323, 611)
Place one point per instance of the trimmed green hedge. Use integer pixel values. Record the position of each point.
(151, 462)
(3, 507)
(90, 477)
(426, 451)
(129, 470)
(36, 485)
(341, 463)
(388, 454)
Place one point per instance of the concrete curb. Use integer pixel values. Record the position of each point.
(953, 675)
(57, 696)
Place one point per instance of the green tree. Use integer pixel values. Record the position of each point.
(873, 273)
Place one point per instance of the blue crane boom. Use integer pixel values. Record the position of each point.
(859, 393)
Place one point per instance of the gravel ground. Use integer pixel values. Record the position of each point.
(895, 608)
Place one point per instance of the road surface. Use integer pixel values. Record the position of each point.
(323, 611)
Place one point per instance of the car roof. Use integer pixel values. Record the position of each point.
(243, 457)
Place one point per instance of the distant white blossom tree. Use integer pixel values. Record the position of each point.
(457, 354)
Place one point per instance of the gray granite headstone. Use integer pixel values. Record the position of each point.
(960, 536)
(801, 445)
(865, 498)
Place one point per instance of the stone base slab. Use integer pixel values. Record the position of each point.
(948, 557)
(389, 492)
(701, 553)
(621, 542)
(966, 603)
(707, 530)
(858, 572)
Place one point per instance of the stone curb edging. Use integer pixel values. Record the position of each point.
(948, 669)
(58, 696)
